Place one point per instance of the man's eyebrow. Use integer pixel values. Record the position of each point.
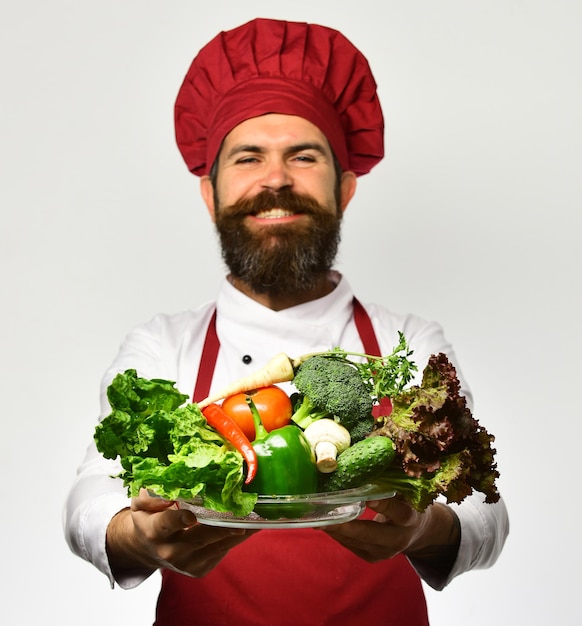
(309, 145)
(247, 147)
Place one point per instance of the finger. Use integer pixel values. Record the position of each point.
(145, 502)
(367, 539)
(394, 511)
(158, 520)
(200, 549)
(358, 533)
(159, 526)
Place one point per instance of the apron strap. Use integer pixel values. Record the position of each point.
(208, 358)
(365, 329)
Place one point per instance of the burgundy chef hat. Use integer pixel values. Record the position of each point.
(271, 66)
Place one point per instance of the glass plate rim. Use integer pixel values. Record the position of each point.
(336, 507)
(363, 493)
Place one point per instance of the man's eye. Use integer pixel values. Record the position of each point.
(304, 158)
(246, 159)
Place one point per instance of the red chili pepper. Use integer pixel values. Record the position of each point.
(232, 432)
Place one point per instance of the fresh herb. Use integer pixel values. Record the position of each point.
(384, 376)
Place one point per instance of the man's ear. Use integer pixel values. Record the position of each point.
(348, 186)
(207, 193)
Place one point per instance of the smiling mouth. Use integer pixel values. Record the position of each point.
(273, 214)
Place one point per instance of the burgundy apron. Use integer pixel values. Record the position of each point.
(293, 577)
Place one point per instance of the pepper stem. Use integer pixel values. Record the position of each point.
(260, 431)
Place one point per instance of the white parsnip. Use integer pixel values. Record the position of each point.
(279, 369)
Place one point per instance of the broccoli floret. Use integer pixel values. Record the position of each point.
(333, 387)
(361, 428)
(305, 412)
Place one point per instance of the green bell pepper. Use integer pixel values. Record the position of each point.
(286, 466)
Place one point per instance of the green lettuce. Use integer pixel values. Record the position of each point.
(167, 447)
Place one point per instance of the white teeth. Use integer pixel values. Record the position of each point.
(274, 213)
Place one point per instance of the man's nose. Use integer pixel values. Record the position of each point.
(277, 175)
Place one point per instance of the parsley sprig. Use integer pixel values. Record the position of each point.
(384, 376)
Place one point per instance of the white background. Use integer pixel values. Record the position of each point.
(473, 219)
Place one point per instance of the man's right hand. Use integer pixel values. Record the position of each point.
(154, 533)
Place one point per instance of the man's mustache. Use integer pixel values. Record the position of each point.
(285, 199)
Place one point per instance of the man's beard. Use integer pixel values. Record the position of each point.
(282, 259)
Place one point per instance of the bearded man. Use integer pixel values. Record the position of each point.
(278, 119)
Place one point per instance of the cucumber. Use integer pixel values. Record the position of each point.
(360, 463)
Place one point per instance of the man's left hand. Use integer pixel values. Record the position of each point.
(398, 528)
